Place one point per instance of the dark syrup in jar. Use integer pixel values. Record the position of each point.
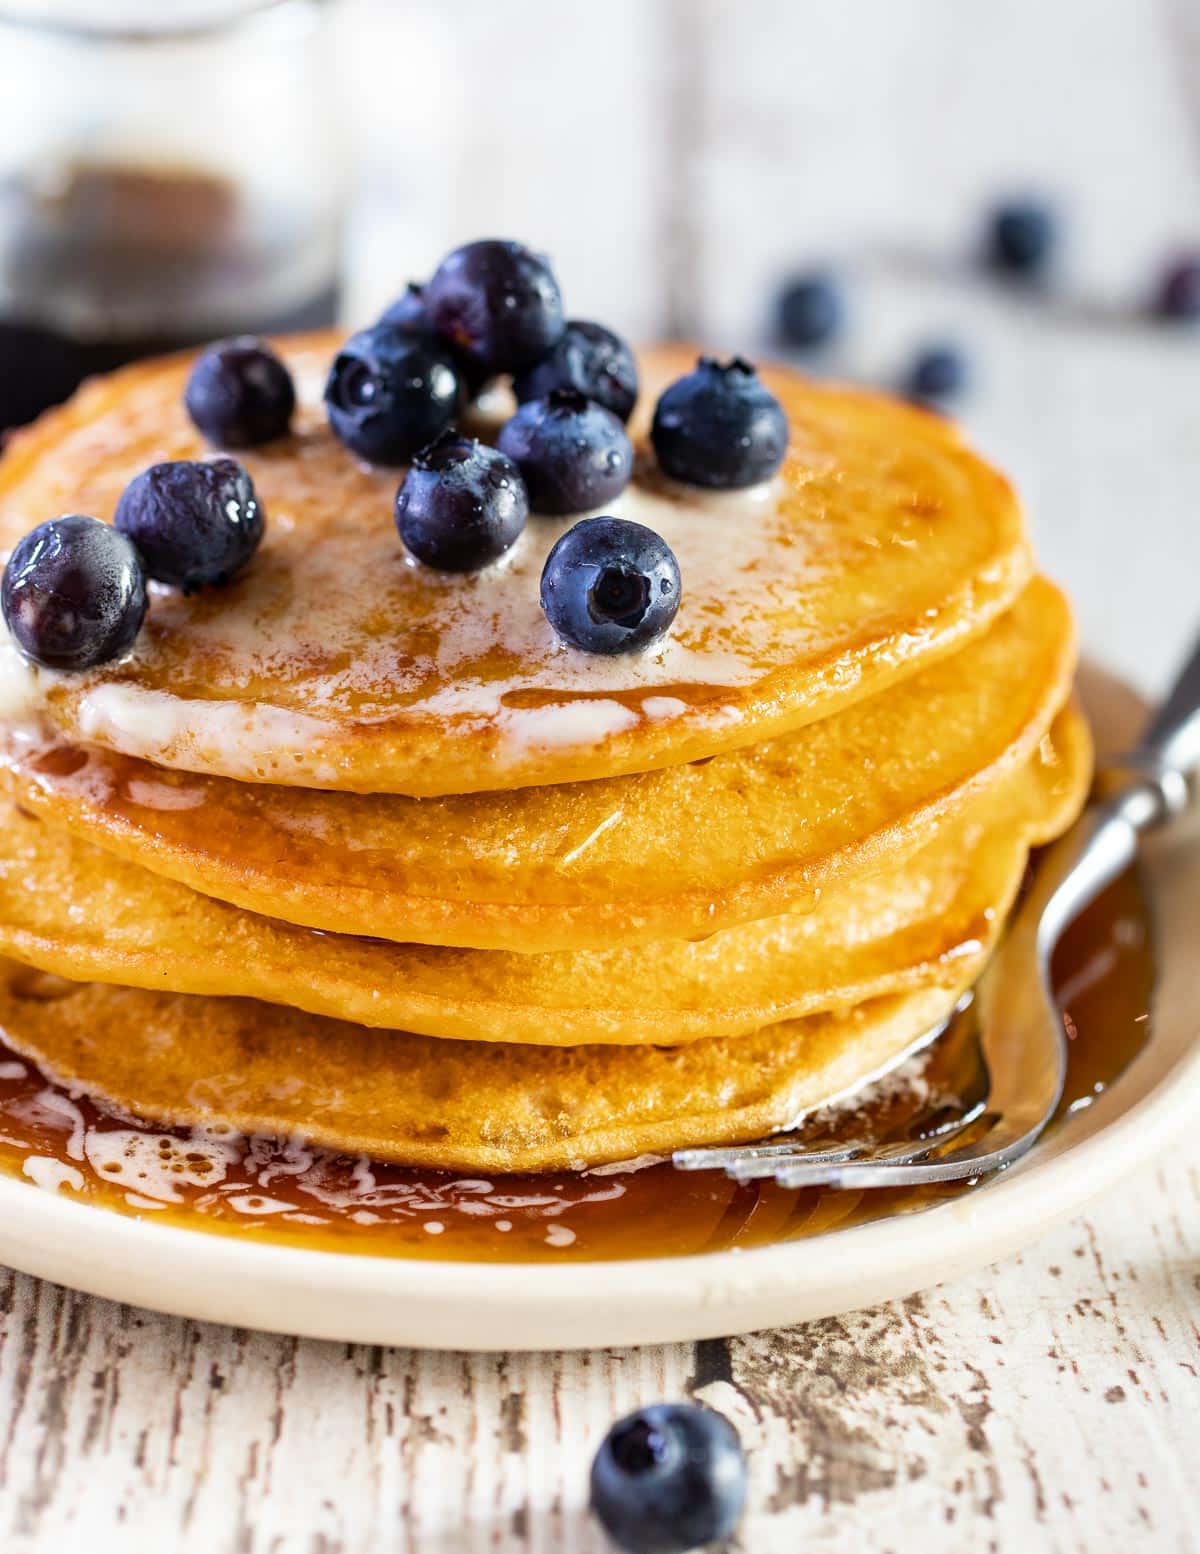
(279, 1191)
(108, 264)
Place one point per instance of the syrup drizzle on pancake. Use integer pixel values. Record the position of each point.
(589, 697)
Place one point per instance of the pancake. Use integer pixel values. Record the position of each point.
(464, 1106)
(336, 662)
(676, 853)
(70, 908)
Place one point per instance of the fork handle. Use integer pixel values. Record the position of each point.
(1172, 739)
(1152, 783)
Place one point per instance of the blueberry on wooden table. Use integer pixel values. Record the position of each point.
(74, 593)
(669, 1478)
(610, 586)
(1178, 296)
(495, 304)
(461, 505)
(390, 393)
(810, 310)
(239, 393)
(195, 524)
(719, 427)
(590, 359)
(573, 454)
(1021, 237)
(937, 375)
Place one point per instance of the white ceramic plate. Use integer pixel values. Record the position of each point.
(582, 1305)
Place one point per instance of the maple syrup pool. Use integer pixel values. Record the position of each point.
(281, 1191)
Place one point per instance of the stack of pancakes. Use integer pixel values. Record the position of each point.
(358, 850)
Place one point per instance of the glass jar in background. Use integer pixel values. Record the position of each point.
(169, 173)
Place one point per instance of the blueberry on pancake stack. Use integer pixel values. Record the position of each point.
(476, 748)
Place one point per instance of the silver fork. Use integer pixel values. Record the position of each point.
(1020, 1027)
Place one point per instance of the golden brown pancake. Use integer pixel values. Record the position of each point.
(70, 908)
(679, 852)
(335, 661)
(468, 1106)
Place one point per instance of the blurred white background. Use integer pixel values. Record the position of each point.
(678, 157)
(733, 138)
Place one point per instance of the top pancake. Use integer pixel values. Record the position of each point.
(336, 661)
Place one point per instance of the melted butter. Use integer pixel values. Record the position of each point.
(248, 737)
(580, 722)
(552, 696)
(281, 1190)
(21, 685)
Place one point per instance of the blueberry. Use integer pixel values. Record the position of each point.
(810, 310)
(592, 360)
(937, 374)
(1020, 237)
(669, 1478)
(461, 505)
(496, 304)
(1179, 291)
(194, 524)
(74, 594)
(572, 453)
(407, 313)
(610, 586)
(720, 427)
(389, 393)
(240, 394)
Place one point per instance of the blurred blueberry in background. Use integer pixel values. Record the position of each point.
(936, 375)
(1021, 237)
(810, 310)
(1179, 289)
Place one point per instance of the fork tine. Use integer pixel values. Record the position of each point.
(762, 1159)
(757, 1170)
(706, 1159)
(804, 1169)
(886, 1173)
(781, 1162)
(806, 1173)
(765, 1156)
